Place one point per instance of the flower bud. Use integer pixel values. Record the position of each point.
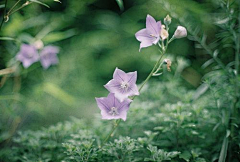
(169, 63)
(180, 32)
(38, 44)
(167, 20)
(164, 33)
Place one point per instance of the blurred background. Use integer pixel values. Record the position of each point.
(95, 37)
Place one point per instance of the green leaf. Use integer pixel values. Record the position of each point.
(58, 36)
(185, 155)
(223, 153)
(59, 94)
(2, 6)
(228, 133)
(200, 91)
(39, 2)
(120, 4)
(57, 1)
(200, 160)
(7, 38)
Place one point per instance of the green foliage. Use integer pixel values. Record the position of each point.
(80, 147)
(122, 149)
(160, 155)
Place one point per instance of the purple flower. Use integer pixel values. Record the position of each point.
(112, 108)
(123, 84)
(48, 56)
(27, 55)
(151, 34)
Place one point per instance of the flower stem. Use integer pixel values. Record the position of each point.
(151, 73)
(7, 71)
(112, 131)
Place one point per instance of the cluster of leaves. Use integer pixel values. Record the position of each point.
(156, 130)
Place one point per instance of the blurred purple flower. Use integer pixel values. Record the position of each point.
(123, 84)
(48, 56)
(27, 55)
(112, 108)
(149, 35)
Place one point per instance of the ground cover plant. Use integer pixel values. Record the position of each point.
(119, 80)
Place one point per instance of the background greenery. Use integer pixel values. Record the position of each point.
(176, 112)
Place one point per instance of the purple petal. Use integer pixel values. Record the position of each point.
(107, 103)
(27, 55)
(134, 90)
(145, 44)
(26, 63)
(124, 108)
(132, 77)
(102, 104)
(152, 26)
(121, 96)
(143, 35)
(119, 75)
(159, 27)
(49, 56)
(145, 38)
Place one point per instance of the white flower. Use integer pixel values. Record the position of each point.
(180, 32)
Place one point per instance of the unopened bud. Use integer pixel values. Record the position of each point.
(180, 32)
(164, 33)
(169, 63)
(38, 44)
(167, 20)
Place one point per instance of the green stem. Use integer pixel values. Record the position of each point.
(112, 131)
(151, 73)
(24, 5)
(13, 7)
(7, 71)
(4, 12)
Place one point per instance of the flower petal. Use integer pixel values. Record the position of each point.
(159, 26)
(132, 77)
(119, 75)
(152, 26)
(134, 90)
(124, 108)
(145, 44)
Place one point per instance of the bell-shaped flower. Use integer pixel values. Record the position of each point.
(149, 35)
(112, 108)
(27, 55)
(180, 32)
(123, 84)
(48, 56)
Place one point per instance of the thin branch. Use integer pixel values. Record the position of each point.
(4, 12)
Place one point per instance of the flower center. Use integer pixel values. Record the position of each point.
(124, 86)
(113, 111)
(153, 36)
(30, 55)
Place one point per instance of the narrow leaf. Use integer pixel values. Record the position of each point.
(200, 90)
(59, 93)
(207, 63)
(7, 38)
(120, 4)
(223, 153)
(39, 2)
(57, 1)
(2, 6)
